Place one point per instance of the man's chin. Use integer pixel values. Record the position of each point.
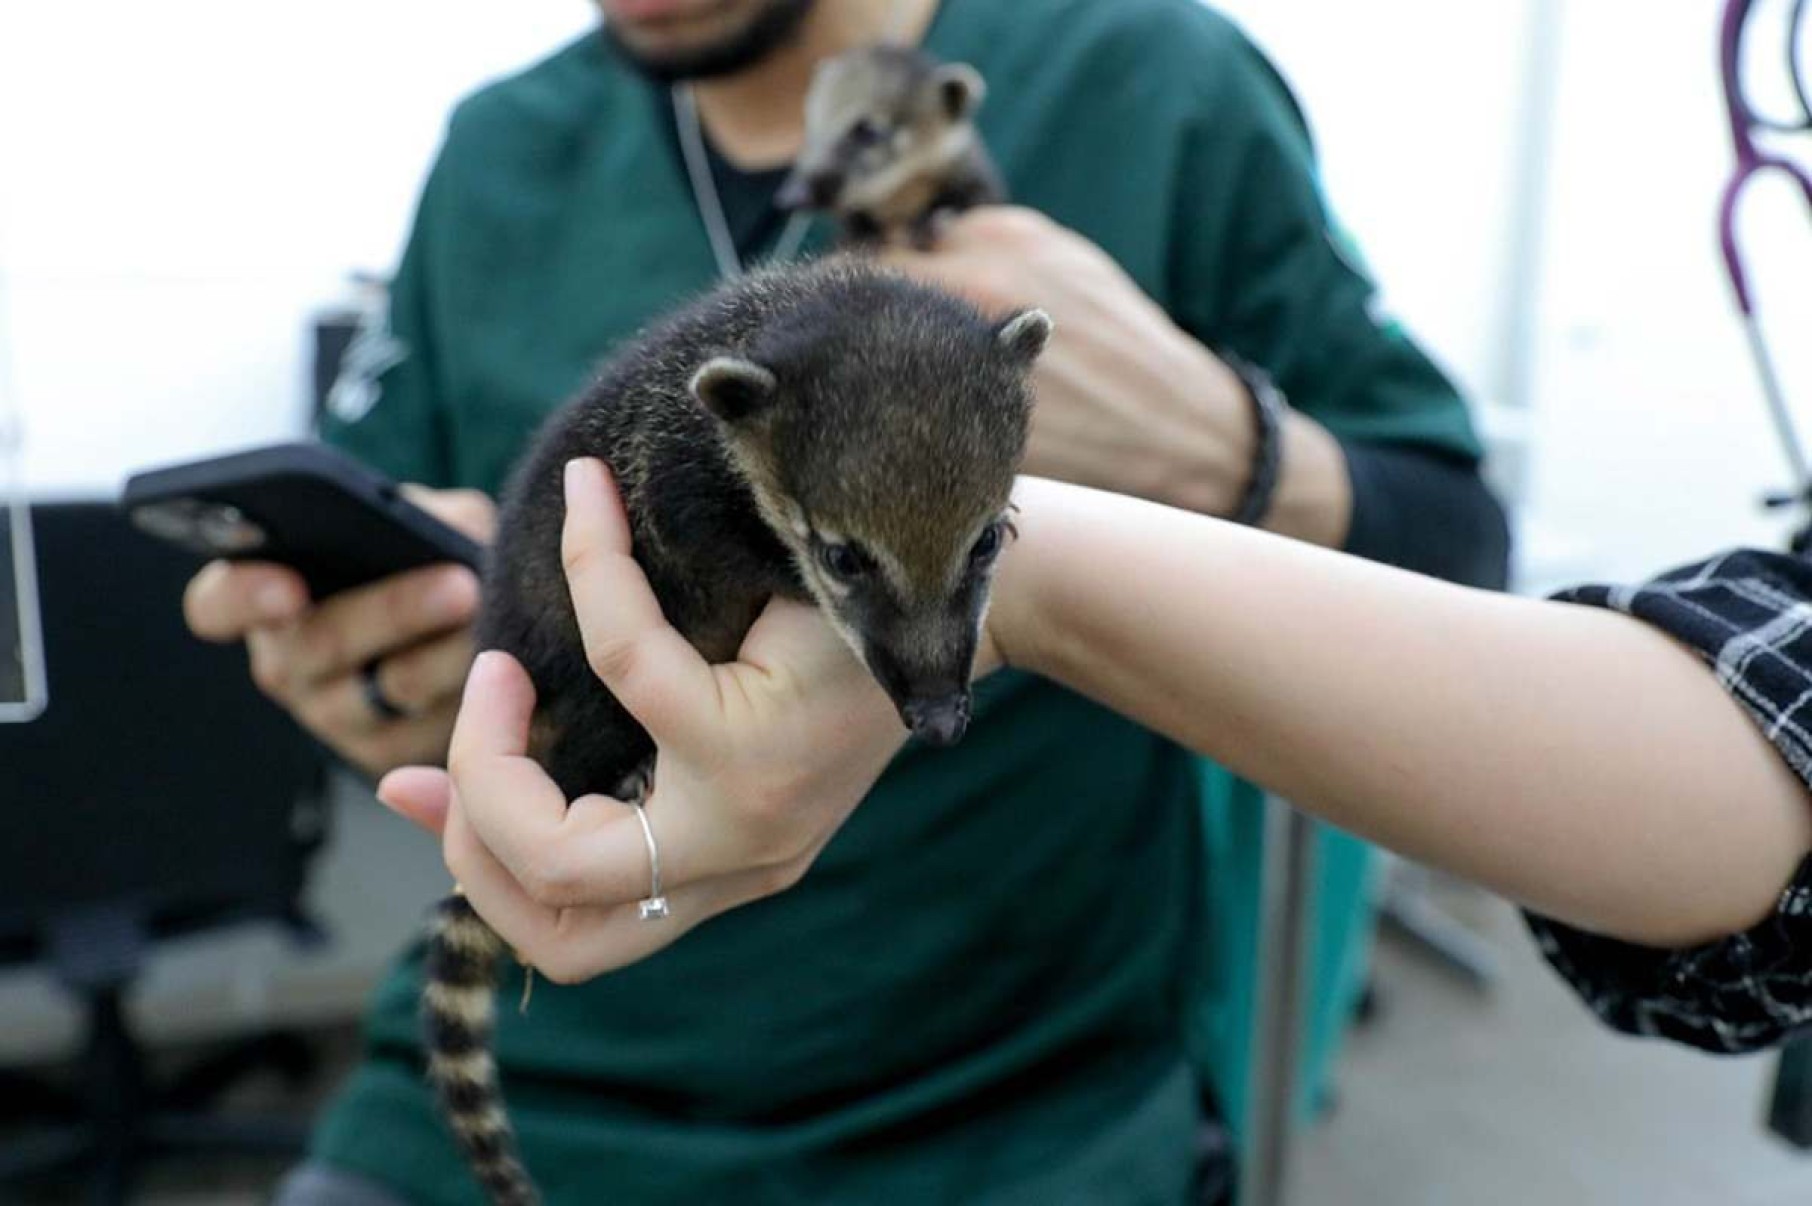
(669, 26)
(662, 12)
(672, 40)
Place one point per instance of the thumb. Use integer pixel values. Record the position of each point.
(468, 511)
(652, 670)
(420, 794)
(796, 640)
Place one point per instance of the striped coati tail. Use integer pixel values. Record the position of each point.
(459, 1009)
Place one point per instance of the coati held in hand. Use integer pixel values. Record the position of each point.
(832, 433)
(891, 146)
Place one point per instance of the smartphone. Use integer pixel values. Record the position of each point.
(336, 522)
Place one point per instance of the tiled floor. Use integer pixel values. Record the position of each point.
(1447, 1099)
(1520, 1098)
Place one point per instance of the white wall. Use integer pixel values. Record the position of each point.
(181, 183)
(1414, 107)
(1654, 445)
(1650, 440)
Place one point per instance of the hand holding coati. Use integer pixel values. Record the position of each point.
(833, 434)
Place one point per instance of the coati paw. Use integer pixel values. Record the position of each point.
(863, 234)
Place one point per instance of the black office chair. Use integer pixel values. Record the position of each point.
(158, 795)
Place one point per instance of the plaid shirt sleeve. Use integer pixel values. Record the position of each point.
(1749, 616)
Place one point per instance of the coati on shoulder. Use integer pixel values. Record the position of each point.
(832, 433)
(891, 146)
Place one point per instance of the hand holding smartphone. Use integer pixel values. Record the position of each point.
(373, 660)
(334, 521)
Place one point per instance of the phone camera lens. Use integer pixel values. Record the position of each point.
(226, 530)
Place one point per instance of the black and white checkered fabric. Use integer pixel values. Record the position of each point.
(1749, 615)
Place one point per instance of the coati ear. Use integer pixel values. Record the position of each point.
(960, 89)
(732, 388)
(1024, 334)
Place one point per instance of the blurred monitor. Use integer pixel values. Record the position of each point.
(22, 686)
(155, 779)
(12, 657)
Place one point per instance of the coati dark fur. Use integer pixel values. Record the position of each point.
(891, 146)
(831, 433)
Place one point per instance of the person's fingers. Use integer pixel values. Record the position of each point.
(596, 851)
(499, 897)
(598, 941)
(494, 713)
(381, 745)
(225, 600)
(795, 639)
(340, 707)
(470, 511)
(995, 230)
(569, 945)
(981, 254)
(423, 682)
(421, 794)
(558, 940)
(958, 233)
(356, 626)
(793, 661)
(968, 272)
(560, 854)
(516, 809)
(424, 676)
(336, 706)
(646, 663)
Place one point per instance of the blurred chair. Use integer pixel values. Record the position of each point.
(159, 795)
(1790, 1104)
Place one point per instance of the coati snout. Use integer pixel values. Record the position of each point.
(918, 648)
(864, 460)
(934, 705)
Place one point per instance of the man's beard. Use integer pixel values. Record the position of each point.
(773, 27)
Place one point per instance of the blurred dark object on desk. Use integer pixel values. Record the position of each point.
(157, 796)
(360, 320)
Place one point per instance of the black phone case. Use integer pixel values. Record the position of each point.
(334, 521)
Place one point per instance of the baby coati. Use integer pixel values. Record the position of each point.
(891, 146)
(832, 433)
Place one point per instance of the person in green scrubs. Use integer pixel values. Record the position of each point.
(981, 989)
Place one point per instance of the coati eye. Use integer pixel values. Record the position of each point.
(865, 133)
(987, 545)
(843, 561)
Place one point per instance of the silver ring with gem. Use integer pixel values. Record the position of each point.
(655, 907)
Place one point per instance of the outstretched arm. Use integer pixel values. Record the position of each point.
(1574, 759)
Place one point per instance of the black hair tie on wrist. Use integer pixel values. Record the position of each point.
(1268, 406)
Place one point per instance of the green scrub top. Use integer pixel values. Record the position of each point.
(990, 984)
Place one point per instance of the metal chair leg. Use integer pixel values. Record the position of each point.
(1790, 1108)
